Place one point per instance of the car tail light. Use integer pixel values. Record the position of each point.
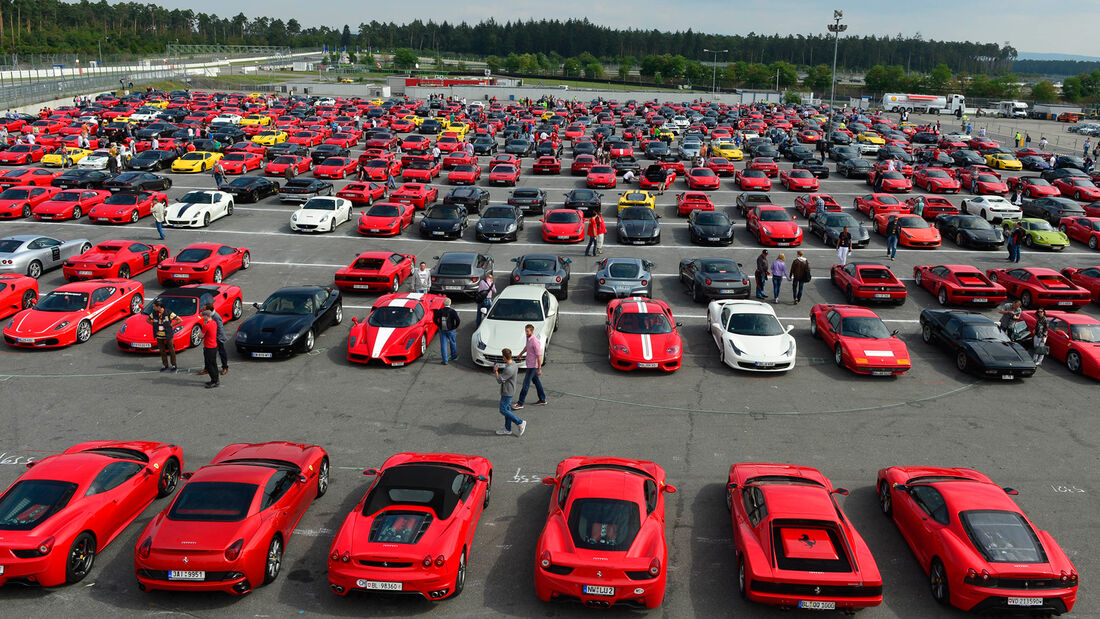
(644, 282)
(45, 547)
(234, 550)
(145, 547)
(345, 557)
(557, 279)
(708, 282)
(1069, 578)
(515, 278)
(473, 280)
(745, 281)
(654, 567)
(427, 562)
(602, 281)
(335, 556)
(544, 561)
(434, 278)
(439, 561)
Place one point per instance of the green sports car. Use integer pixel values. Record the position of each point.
(1039, 233)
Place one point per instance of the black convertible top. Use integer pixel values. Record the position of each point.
(439, 479)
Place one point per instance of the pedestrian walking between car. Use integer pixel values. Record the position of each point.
(505, 373)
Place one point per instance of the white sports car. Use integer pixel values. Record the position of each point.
(97, 160)
(749, 336)
(991, 208)
(145, 114)
(321, 214)
(515, 307)
(233, 119)
(197, 209)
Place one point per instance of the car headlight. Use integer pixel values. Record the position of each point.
(480, 226)
(481, 345)
(288, 338)
(737, 351)
(790, 348)
(123, 329)
(672, 350)
(175, 330)
(61, 325)
(242, 336)
(11, 323)
(456, 227)
(510, 228)
(765, 229)
(620, 348)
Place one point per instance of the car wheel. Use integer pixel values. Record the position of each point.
(1026, 300)
(423, 344)
(1062, 228)
(34, 269)
(238, 308)
(26, 211)
(695, 296)
(985, 215)
(77, 212)
(488, 491)
(742, 581)
(30, 297)
(338, 317)
(813, 326)
(196, 336)
(851, 296)
(961, 361)
(206, 219)
(169, 477)
(1073, 362)
(460, 577)
(274, 560)
(1092, 242)
(218, 275)
(229, 209)
(884, 499)
(322, 477)
(564, 292)
(838, 356)
(959, 240)
(124, 272)
(942, 296)
(962, 207)
(81, 558)
(136, 303)
(1028, 241)
(926, 333)
(937, 582)
(395, 284)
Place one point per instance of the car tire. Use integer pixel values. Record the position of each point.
(81, 558)
(851, 296)
(885, 501)
(34, 269)
(961, 361)
(206, 220)
(323, 477)
(30, 298)
(937, 582)
(838, 356)
(169, 477)
(308, 342)
(941, 296)
(1027, 300)
(77, 212)
(338, 315)
(273, 561)
(695, 296)
(1063, 229)
(1074, 362)
(395, 284)
(963, 209)
(196, 336)
(26, 211)
(217, 279)
(1092, 242)
(960, 239)
(742, 578)
(460, 576)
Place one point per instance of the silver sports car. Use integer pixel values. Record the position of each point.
(33, 254)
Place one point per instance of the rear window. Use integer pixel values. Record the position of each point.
(623, 270)
(213, 501)
(192, 255)
(29, 503)
(604, 524)
(453, 268)
(1003, 537)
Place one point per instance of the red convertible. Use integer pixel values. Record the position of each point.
(118, 258)
(203, 263)
(868, 283)
(136, 334)
(375, 270)
(362, 192)
(688, 201)
(798, 180)
(17, 292)
(20, 201)
(71, 313)
(859, 340)
(417, 194)
(642, 334)
(807, 203)
(773, 225)
(959, 284)
(1041, 287)
(397, 331)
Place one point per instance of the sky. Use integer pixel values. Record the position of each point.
(1022, 23)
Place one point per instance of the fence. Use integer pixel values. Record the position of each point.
(16, 93)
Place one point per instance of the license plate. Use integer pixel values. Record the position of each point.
(639, 242)
(712, 238)
(378, 585)
(115, 188)
(981, 300)
(764, 364)
(881, 373)
(494, 238)
(179, 275)
(726, 291)
(562, 236)
(1007, 377)
(186, 575)
(816, 605)
(783, 244)
(597, 590)
(361, 286)
(437, 233)
(83, 272)
(25, 340)
(64, 186)
(1, 569)
(261, 355)
(452, 287)
(647, 365)
(142, 345)
(882, 295)
(397, 364)
(1065, 303)
(375, 230)
(1025, 601)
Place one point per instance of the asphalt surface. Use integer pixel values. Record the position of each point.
(1036, 435)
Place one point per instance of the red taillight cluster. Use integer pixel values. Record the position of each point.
(557, 279)
(544, 560)
(654, 567)
(644, 282)
(46, 546)
(145, 548)
(708, 282)
(336, 556)
(473, 280)
(1069, 578)
(515, 278)
(234, 550)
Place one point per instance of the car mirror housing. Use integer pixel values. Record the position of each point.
(370, 472)
(549, 481)
(1011, 491)
(841, 491)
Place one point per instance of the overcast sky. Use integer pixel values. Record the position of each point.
(1026, 24)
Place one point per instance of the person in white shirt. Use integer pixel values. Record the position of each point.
(628, 177)
(422, 279)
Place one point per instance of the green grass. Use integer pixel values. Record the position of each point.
(554, 82)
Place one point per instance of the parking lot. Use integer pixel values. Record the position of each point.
(1037, 435)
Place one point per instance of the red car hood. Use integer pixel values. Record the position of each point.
(32, 322)
(780, 227)
(550, 228)
(136, 328)
(646, 347)
(373, 221)
(878, 351)
(381, 341)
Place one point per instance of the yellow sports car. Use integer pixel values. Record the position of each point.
(637, 198)
(444, 122)
(1003, 161)
(870, 137)
(70, 157)
(196, 161)
(460, 129)
(255, 119)
(269, 138)
(157, 103)
(547, 115)
(665, 134)
(346, 80)
(414, 119)
(727, 149)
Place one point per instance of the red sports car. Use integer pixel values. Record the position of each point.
(547, 164)
(68, 507)
(1081, 189)
(603, 542)
(582, 164)
(563, 225)
(465, 174)
(241, 163)
(965, 174)
(381, 169)
(504, 174)
(71, 204)
(375, 270)
(22, 154)
(17, 292)
(136, 334)
(868, 283)
(203, 263)
(959, 284)
(894, 182)
(766, 165)
(721, 166)
(979, 549)
(416, 194)
(335, 167)
(1033, 187)
(798, 180)
(20, 201)
(239, 147)
(600, 176)
(39, 177)
(642, 334)
(688, 201)
(987, 184)
(915, 230)
(413, 530)
(397, 331)
(1085, 277)
(859, 340)
(227, 527)
(1073, 339)
(362, 193)
(773, 225)
(122, 208)
(343, 139)
(936, 180)
(795, 547)
(807, 203)
(71, 313)
(1083, 229)
(117, 258)
(504, 159)
(932, 208)
(296, 163)
(980, 143)
(753, 180)
(457, 158)
(874, 204)
(1041, 287)
(415, 143)
(402, 125)
(386, 219)
(422, 169)
(306, 138)
(702, 178)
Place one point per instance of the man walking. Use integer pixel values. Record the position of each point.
(222, 338)
(799, 274)
(1018, 235)
(447, 321)
(486, 290)
(163, 322)
(595, 223)
(533, 363)
(893, 235)
(761, 274)
(843, 245)
(210, 348)
(506, 376)
(159, 211)
(422, 279)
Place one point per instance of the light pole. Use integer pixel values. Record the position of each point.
(836, 28)
(714, 70)
(105, 37)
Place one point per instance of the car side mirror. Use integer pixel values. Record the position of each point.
(256, 305)
(841, 491)
(549, 481)
(1011, 491)
(669, 488)
(731, 486)
(302, 479)
(370, 472)
(187, 475)
(790, 328)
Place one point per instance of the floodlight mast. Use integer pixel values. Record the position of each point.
(836, 28)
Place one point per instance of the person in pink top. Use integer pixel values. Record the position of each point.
(533, 363)
(210, 347)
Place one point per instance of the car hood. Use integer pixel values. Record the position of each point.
(376, 221)
(783, 227)
(33, 322)
(878, 351)
(312, 216)
(714, 229)
(494, 225)
(647, 346)
(498, 334)
(638, 227)
(379, 341)
(982, 235)
(439, 224)
(186, 209)
(1000, 354)
(767, 346)
(274, 325)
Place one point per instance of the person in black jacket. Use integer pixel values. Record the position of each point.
(761, 274)
(446, 319)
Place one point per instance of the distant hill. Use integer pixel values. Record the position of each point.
(1039, 56)
(1059, 68)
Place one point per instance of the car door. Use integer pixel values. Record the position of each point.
(127, 487)
(230, 258)
(830, 328)
(929, 517)
(323, 300)
(141, 258)
(278, 504)
(47, 251)
(1058, 338)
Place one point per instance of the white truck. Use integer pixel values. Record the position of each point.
(1012, 109)
(931, 104)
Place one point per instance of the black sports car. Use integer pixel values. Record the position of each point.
(210, 145)
(853, 168)
(251, 188)
(1053, 174)
(444, 221)
(840, 138)
(714, 278)
(816, 167)
(800, 152)
(710, 227)
(530, 199)
(638, 225)
(624, 163)
(548, 148)
(289, 321)
(843, 152)
(485, 146)
(156, 130)
(151, 160)
(324, 151)
(656, 149)
(978, 344)
(1069, 161)
(748, 199)
(499, 223)
(473, 198)
(547, 270)
(302, 189)
(285, 148)
(970, 231)
(587, 200)
(1053, 209)
(964, 157)
(518, 147)
(829, 224)
(1035, 163)
(82, 179)
(138, 181)
(584, 148)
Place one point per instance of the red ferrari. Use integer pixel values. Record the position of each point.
(381, 169)
(241, 162)
(1041, 287)
(702, 178)
(71, 313)
(117, 258)
(798, 180)
(688, 201)
(296, 163)
(227, 527)
(915, 231)
(17, 292)
(859, 340)
(504, 159)
(878, 203)
(1082, 229)
(1085, 277)
(375, 270)
(1073, 339)
(397, 331)
(562, 225)
(40, 177)
(959, 284)
(126, 208)
(753, 180)
(979, 549)
(136, 334)
(362, 193)
(868, 283)
(422, 169)
(936, 180)
(547, 165)
(464, 174)
(603, 543)
(582, 164)
(416, 194)
(203, 263)
(807, 203)
(642, 334)
(20, 201)
(457, 158)
(504, 174)
(413, 530)
(306, 138)
(890, 181)
(22, 154)
(773, 225)
(766, 165)
(386, 219)
(795, 547)
(934, 206)
(335, 167)
(1080, 189)
(70, 204)
(600, 176)
(1033, 187)
(68, 507)
(721, 166)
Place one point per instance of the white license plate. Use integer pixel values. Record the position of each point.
(783, 244)
(142, 345)
(639, 242)
(1007, 377)
(882, 295)
(452, 287)
(881, 373)
(261, 355)
(437, 233)
(816, 605)
(186, 575)
(397, 364)
(1, 570)
(25, 340)
(712, 238)
(494, 238)
(981, 300)
(1065, 303)
(647, 365)
(562, 236)
(375, 230)
(597, 590)
(179, 275)
(1025, 601)
(726, 291)
(378, 585)
(83, 272)
(764, 364)
(115, 188)
(361, 286)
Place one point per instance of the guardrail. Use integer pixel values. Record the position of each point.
(17, 93)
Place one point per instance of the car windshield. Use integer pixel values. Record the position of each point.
(213, 501)
(702, 172)
(66, 196)
(383, 210)
(61, 301)
(124, 199)
(753, 174)
(377, 163)
(193, 254)
(287, 159)
(985, 178)
(1085, 333)
(442, 212)
(193, 156)
(335, 161)
(604, 524)
(987, 332)
(498, 212)
(295, 303)
(754, 324)
(235, 157)
(197, 197)
(912, 222)
(525, 193)
(863, 327)
(562, 217)
(654, 323)
(774, 215)
(1003, 536)
(244, 181)
(465, 168)
(529, 310)
(712, 219)
(391, 317)
(180, 306)
(637, 213)
(1040, 226)
(974, 223)
(15, 194)
(29, 503)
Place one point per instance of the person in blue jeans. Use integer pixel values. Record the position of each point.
(779, 271)
(893, 235)
(486, 290)
(533, 362)
(506, 375)
(447, 321)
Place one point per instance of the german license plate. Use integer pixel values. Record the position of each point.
(981, 300)
(783, 244)
(378, 585)
(115, 188)
(1065, 303)
(397, 364)
(375, 230)
(83, 272)
(261, 355)
(882, 295)
(361, 286)
(25, 340)
(712, 238)
(598, 590)
(1007, 377)
(186, 575)
(452, 287)
(494, 238)
(562, 237)
(179, 275)
(142, 345)
(881, 373)
(639, 242)
(816, 605)
(726, 291)
(1025, 601)
(764, 364)
(437, 233)
(647, 365)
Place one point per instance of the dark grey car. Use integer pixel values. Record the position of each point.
(444, 221)
(710, 227)
(499, 223)
(639, 225)
(714, 278)
(546, 270)
(829, 224)
(530, 199)
(473, 198)
(459, 272)
(623, 277)
(1053, 209)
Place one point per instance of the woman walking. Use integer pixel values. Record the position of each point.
(779, 271)
(1039, 337)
